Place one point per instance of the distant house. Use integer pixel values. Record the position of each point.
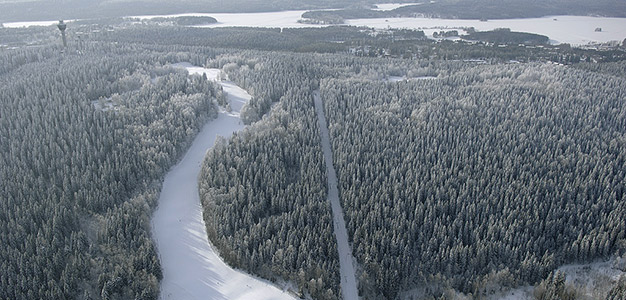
(599, 29)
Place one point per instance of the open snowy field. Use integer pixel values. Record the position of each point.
(191, 267)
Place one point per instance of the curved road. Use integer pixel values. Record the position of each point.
(191, 267)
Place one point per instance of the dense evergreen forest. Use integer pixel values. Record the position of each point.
(461, 175)
(86, 139)
(360, 41)
(265, 202)
(493, 173)
(263, 192)
(506, 36)
(527, 171)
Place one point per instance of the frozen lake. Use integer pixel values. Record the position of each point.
(279, 19)
(575, 30)
(32, 23)
(392, 6)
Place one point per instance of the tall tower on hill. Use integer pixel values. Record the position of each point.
(62, 27)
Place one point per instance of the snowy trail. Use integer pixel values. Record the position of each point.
(191, 267)
(348, 276)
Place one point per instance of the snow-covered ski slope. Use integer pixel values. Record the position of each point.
(346, 261)
(191, 266)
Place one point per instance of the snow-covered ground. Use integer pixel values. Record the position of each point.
(104, 104)
(596, 279)
(211, 74)
(592, 281)
(346, 261)
(191, 266)
(404, 78)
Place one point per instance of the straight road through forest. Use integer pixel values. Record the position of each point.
(348, 276)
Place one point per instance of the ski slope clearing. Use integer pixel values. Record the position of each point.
(346, 261)
(192, 269)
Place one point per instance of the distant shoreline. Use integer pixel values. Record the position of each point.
(573, 30)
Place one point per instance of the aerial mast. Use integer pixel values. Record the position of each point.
(62, 27)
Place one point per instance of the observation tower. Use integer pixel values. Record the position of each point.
(62, 27)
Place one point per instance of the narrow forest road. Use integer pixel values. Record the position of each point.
(348, 276)
(192, 269)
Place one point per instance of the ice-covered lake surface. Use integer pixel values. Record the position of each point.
(281, 19)
(392, 6)
(575, 30)
(192, 269)
(32, 23)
